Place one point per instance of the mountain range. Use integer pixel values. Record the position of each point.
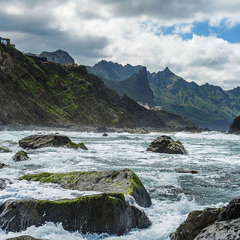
(33, 92)
(207, 105)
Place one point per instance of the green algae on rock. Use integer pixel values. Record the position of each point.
(101, 213)
(124, 181)
(20, 156)
(165, 144)
(50, 140)
(4, 149)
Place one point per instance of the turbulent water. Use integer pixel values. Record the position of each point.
(216, 157)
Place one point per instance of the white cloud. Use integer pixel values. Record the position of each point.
(129, 31)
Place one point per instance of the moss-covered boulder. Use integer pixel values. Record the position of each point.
(165, 144)
(24, 237)
(4, 149)
(108, 213)
(20, 156)
(195, 222)
(51, 140)
(124, 181)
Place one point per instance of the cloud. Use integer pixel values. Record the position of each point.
(130, 31)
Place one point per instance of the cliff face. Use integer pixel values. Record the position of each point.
(49, 94)
(136, 87)
(58, 56)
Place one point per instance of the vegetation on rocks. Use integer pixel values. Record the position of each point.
(124, 181)
(165, 144)
(108, 213)
(20, 156)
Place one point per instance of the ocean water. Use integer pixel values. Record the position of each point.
(216, 157)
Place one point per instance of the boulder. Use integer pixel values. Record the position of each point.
(3, 183)
(51, 140)
(4, 149)
(195, 222)
(105, 135)
(225, 230)
(165, 144)
(2, 165)
(101, 213)
(124, 181)
(235, 126)
(231, 211)
(20, 156)
(24, 237)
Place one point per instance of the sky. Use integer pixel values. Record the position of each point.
(198, 40)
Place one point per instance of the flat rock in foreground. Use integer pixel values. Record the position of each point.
(124, 181)
(165, 144)
(51, 140)
(102, 213)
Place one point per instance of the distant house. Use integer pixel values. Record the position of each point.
(6, 41)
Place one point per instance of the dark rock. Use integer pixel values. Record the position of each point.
(58, 56)
(25, 237)
(2, 165)
(40, 141)
(20, 156)
(182, 170)
(5, 149)
(76, 146)
(195, 222)
(105, 135)
(124, 181)
(231, 211)
(235, 126)
(165, 144)
(108, 213)
(52, 140)
(225, 230)
(3, 183)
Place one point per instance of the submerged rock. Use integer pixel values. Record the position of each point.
(235, 126)
(124, 181)
(108, 213)
(20, 156)
(2, 165)
(165, 144)
(52, 140)
(4, 149)
(195, 222)
(182, 170)
(25, 237)
(105, 135)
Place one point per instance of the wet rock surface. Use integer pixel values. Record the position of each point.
(124, 181)
(195, 222)
(20, 156)
(165, 144)
(51, 140)
(108, 213)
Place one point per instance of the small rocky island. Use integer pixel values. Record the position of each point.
(165, 144)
